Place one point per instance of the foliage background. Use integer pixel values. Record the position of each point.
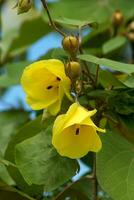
(24, 172)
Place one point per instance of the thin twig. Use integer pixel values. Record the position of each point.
(71, 184)
(44, 3)
(110, 118)
(86, 67)
(97, 75)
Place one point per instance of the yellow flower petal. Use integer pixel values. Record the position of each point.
(89, 122)
(41, 82)
(37, 104)
(36, 79)
(66, 84)
(76, 114)
(74, 133)
(55, 107)
(69, 144)
(56, 67)
(58, 124)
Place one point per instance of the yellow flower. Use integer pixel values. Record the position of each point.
(45, 84)
(74, 133)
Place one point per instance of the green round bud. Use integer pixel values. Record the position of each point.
(73, 69)
(117, 18)
(70, 44)
(130, 36)
(130, 31)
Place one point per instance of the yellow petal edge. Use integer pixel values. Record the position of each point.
(75, 134)
(45, 84)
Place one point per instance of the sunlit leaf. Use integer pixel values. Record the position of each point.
(111, 64)
(76, 23)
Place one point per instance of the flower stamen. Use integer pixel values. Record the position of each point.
(49, 87)
(58, 79)
(77, 131)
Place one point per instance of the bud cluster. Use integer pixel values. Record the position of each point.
(71, 45)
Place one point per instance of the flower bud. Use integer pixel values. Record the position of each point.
(73, 69)
(70, 44)
(131, 27)
(23, 6)
(130, 36)
(130, 31)
(117, 18)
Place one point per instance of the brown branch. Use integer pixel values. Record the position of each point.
(71, 184)
(44, 3)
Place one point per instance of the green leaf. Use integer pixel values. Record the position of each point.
(8, 192)
(115, 166)
(96, 38)
(106, 198)
(6, 195)
(107, 79)
(125, 127)
(100, 11)
(111, 64)
(13, 74)
(4, 175)
(123, 105)
(59, 53)
(28, 130)
(114, 44)
(76, 23)
(36, 154)
(6, 162)
(10, 121)
(129, 81)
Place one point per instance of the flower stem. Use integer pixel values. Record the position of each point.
(87, 68)
(44, 3)
(97, 75)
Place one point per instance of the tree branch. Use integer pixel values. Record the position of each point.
(44, 3)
